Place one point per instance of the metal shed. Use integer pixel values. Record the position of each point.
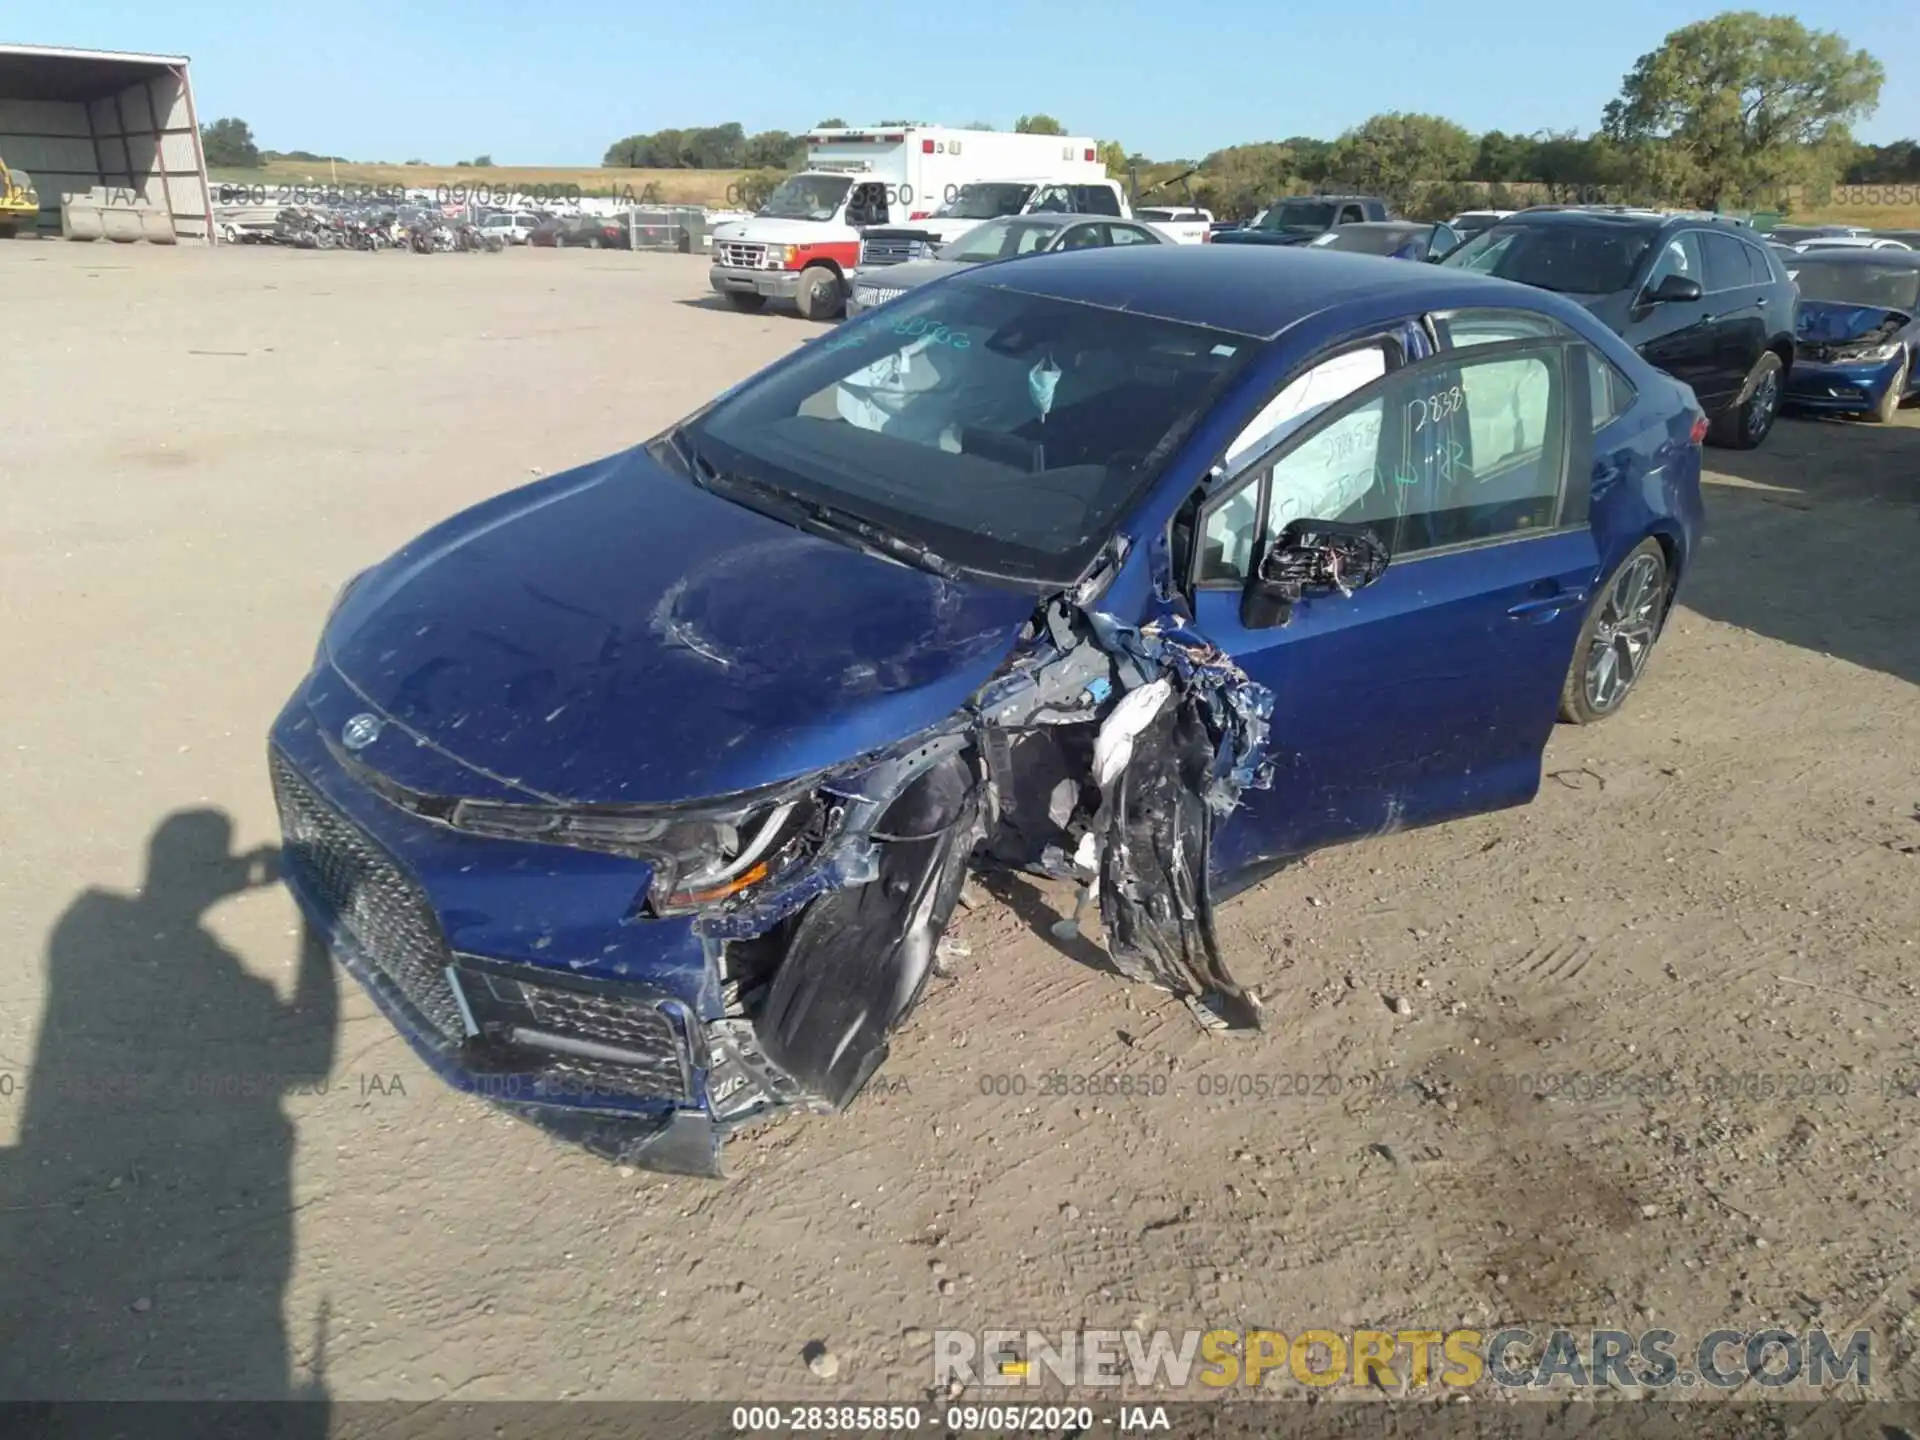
(77, 119)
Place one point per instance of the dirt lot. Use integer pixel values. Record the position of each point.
(1725, 882)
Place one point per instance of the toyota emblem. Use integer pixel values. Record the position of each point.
(361, 731)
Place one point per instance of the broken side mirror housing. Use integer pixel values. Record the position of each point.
(1310, 557)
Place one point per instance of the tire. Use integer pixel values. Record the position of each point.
(1745, 424)
(1889, 405)
(7, 230)
(593, 242)
(750, 303)
(1637, 591)
(820, 296)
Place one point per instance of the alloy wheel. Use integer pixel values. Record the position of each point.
(1623, 638)
(1761, 405)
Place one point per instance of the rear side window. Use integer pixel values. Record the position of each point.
(1095, 200)
(1726, 261)
(1611, 392)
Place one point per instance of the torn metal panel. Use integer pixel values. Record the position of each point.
(858, 958)
(1156, 762)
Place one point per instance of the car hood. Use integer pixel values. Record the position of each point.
(1613, 308)
(1265, 237)
(618, 634)
(909, 273)
(769, 231)
(1833, 322)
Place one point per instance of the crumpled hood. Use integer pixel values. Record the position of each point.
(1833, 322)
(617, 633)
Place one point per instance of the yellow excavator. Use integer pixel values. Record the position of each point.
(19, 202)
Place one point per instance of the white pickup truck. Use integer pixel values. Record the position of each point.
(1188, 224)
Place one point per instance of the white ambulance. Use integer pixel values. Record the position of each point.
(804, 244)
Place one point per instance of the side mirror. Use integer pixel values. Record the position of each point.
(1310, 557)
(1674, 289)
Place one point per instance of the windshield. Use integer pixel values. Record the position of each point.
(986, 202)
(1885, 287)
(807, 197)
(1298, 215)
(1007, 433)
(1573, 259)
(1003, 239)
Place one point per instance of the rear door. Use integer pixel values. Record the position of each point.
(1432, 693)
(1736, 305)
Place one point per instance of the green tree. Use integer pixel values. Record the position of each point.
(1504, 157)
(834, 124)
(229, 143)
(773, 150)
(483, 162)
(1310, 157)
(1038, 125)
(1114, 156)
(1730, 106)
(978, 125)
(1895, 163)
(1237, 182)
(1395, 156)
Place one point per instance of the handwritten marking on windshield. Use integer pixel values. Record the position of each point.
(920, 327)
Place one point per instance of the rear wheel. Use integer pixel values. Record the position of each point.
(820, 296)
(746, 300)
(1890, 402)
(1744, 424)
(1616, 642)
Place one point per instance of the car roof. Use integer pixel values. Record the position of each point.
(1252, 290)
(1388, 225)
(1860, 255)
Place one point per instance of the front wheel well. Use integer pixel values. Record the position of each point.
(1783, 347)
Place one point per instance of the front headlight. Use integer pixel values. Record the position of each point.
(1889, 351)
(699, 860)
(780, 256)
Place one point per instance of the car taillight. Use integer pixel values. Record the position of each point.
(1206, 237)
(1699, 434)
(920, 215)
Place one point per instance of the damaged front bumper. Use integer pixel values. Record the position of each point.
(537, 972)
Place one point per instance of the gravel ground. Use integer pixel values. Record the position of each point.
(1715, 896)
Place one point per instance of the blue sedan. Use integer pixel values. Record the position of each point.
(1857, 331)
(640, 796)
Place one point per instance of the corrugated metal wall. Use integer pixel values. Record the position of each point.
(49, 140)
(146, 143)
(141, 139)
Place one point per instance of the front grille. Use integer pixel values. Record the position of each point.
(653, 1062)
(892, 250)
(870, 295)
(364, 889)
(741, 254)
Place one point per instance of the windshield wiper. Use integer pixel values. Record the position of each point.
(814, 516)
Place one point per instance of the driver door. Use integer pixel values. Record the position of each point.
(1431, 693)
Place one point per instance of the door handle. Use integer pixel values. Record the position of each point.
(1543, 606)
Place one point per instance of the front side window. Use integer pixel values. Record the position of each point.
(1006, 432)
(807, 197)
(1455, 450)
(1680, 255)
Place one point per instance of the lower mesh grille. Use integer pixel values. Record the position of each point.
(369, 895)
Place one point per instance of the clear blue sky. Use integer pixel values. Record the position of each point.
(554, 83)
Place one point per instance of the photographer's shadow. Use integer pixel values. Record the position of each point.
(146, 1215)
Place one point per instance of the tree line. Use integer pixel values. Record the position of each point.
(1740, 109)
